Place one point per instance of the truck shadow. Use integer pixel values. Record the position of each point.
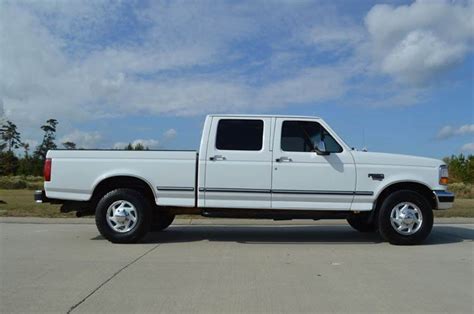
(293, 235)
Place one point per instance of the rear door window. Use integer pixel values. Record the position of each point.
(239, 134)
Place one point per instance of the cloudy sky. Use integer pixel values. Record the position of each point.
(393, 76)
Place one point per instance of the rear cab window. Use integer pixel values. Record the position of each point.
(239, 134)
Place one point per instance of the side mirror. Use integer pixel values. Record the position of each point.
(321, 149)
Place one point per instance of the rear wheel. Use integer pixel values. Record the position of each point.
(161, 221)
(361, 223)
(123, 216)
(405, 218)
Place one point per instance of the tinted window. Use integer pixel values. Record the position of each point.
(303, 136)
(239, 134)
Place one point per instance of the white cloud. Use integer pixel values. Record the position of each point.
(170, 134)
(468, 147)
(336, 37)
(150, 143)
(82, 139)
(450, 131)
(314, 84)
(416, 43)
(45, 81)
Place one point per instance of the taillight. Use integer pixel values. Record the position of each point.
(47, 170)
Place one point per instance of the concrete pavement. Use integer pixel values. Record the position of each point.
(211, 267)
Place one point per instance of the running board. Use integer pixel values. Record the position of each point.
(275, 214)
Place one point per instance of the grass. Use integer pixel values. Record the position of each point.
(20, 203)
(463, 207)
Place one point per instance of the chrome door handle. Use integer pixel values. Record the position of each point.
(217, 157)
(284, 159)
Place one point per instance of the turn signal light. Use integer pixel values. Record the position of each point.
(443, 175)
(443, 181)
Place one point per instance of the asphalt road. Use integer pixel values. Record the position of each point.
(211, 268)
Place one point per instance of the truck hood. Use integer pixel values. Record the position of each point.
(394, 159)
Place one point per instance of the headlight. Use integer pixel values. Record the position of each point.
(443, 175)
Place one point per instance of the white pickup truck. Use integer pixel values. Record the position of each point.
(251, 166)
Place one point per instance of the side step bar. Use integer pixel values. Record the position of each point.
(275, 214)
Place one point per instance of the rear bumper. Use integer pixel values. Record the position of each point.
(445, 199)
(40, 197)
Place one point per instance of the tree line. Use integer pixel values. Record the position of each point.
(461, 168)
(16, 157)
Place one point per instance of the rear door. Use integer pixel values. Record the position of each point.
(302, 179)
(238, 163)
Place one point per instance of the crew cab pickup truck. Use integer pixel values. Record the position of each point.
(251, 166)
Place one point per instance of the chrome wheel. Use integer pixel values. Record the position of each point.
(406, 218)
(122, 216)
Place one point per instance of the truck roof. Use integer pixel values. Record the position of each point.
(262, 116)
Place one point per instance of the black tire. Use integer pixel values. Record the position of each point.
(161, 221)
(143, 213)
(361, 223)
(389, 233)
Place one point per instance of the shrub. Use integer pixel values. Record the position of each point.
(462, 190)
(21, 182)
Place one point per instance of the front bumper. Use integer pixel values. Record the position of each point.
(445, 199)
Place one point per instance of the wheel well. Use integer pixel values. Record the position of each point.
(117, 182)
(412, 186)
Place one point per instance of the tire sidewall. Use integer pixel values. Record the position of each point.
(385, 226)
(361, 223)
(161, 221)
(142, 207)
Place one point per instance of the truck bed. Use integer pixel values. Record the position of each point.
(171, 175)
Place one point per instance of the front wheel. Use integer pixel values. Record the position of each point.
(123, 216)
(405, 218)
(361, 223)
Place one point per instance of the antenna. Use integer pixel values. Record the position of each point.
(364, 148)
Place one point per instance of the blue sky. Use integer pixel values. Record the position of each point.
(392, 76)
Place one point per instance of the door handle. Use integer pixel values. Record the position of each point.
(284, 159)
(217, 157)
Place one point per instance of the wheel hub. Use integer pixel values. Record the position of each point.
(406, 218)
(122, 216)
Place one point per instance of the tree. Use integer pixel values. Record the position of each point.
(461, 168)
(10, 136)
(26, 149)
(139, 146)
(69, 145)
(8, 163)
(26, 165)
(48, 139)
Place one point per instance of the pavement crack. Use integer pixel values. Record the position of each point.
(109, 279)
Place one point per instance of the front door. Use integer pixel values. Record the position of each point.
(302, 179)
(238, 163)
